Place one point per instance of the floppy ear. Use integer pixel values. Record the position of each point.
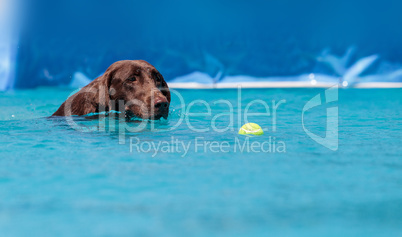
(103, 85)
(108, 76)
(165, 88)
(92, 98)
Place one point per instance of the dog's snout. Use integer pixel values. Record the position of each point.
(161, 108)
(161, 103)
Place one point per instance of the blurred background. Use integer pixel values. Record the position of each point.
(74, 177)
(68, 43)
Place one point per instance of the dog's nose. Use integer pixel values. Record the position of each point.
(161, 104)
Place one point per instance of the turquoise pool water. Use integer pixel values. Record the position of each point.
(57, 180)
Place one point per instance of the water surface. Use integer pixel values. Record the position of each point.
(57, 180)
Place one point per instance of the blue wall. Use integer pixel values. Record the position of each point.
(258, 38)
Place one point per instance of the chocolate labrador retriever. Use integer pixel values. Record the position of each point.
(133, 87)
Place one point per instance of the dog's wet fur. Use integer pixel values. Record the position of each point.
(133, 87)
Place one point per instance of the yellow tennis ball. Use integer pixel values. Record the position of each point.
(251, 129)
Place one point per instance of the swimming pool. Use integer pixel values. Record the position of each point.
(57, 180)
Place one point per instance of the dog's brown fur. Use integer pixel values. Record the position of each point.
(131, 86)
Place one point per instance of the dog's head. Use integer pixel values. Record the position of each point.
(136, 87)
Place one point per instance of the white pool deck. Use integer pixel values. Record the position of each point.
(280, 84)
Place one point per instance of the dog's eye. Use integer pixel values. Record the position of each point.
(132, 79)
(158, 79)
